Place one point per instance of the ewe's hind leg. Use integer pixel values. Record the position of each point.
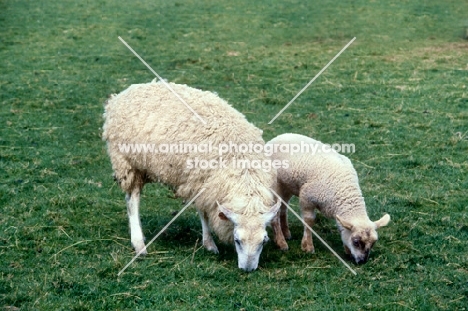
(131, 181)
(207, 238)
(133, 210)
(308, 215)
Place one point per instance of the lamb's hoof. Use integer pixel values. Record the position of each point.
(282, 245)
(287, 235)
(308, 248)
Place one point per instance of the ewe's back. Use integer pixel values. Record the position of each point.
(145, 112)
(151, 114)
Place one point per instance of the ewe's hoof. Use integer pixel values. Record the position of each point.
(287, 235)
(141, 250)
(211, 247)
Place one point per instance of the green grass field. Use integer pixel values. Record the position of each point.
(399, 93)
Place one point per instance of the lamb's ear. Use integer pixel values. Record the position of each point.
(344, 223)
(272, 212)
(225, 213)
(382, 222)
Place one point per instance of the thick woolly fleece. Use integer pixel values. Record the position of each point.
(151, 114)
(330, 178)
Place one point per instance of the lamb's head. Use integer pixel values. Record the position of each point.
(249, 234)
(359, 235)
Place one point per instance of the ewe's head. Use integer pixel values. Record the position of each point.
(359, 236)
(249, 234)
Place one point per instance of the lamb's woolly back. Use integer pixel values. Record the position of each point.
(151, 114)
(330, 177)
(324, 180)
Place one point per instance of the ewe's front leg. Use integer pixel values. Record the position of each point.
(308, 215)
(133, 210)
(207, 238)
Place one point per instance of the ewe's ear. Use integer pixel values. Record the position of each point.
(272, 212)
(226, 214)
(382, 222)
(344, 223)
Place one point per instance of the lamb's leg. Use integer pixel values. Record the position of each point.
(133, 209)
(207, 238)
(284, 221)
(308, 215)
(279, 224)
(278, 233)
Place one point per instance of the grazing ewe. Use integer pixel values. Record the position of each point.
(325, 180)
(150, 115)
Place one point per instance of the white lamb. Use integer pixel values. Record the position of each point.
(151, 114)
(325, 180)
